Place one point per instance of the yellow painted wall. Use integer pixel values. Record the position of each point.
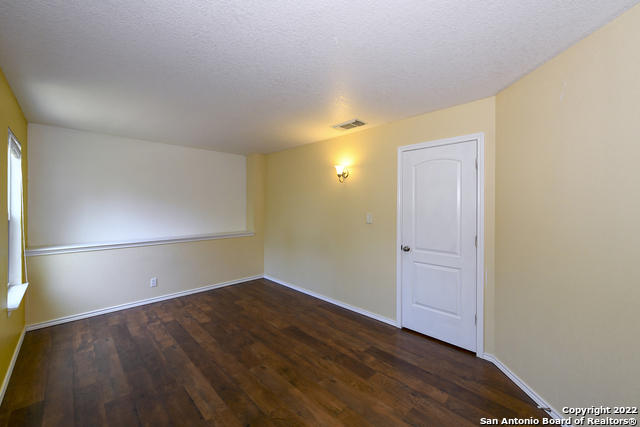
(10, 328)
(568, 222)
(316, 236)
(69, 284)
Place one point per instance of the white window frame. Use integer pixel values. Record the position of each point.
(17, 287)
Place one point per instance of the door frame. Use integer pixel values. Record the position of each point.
(480, 274)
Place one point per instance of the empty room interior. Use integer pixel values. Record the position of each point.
(245, 213)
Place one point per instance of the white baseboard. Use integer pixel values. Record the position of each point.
(334, 302)
(107, 310)
(532, 394)
(5, 383)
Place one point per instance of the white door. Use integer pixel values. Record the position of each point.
(439, 242)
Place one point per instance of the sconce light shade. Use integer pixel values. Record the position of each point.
(342, 172)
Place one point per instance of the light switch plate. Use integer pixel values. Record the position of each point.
(369, 218)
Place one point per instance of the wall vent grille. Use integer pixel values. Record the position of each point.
(349, 124)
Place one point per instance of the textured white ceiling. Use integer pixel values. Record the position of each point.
(261, 76)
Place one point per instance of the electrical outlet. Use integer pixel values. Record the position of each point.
(154, 282)
(369, 218)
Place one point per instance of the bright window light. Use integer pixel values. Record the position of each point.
(15, 211)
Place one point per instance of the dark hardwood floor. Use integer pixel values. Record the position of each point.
(254, 354)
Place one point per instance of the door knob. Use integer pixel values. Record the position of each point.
(406, 248)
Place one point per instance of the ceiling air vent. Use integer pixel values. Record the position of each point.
(349, 124)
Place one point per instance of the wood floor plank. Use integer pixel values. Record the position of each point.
(133, 321)
(334, 326)
(417, 418)
(425, 403)
(148, 402)
(122, 412)
(245, 410)
(5, 414)
(179, 405)
(347, 362)
(130, 359)
(58, 404)
(375, 411)
(312, 357)
(312, 413)
(82, 336)
(113, 380)
(266, 314)
(339, 372)
(294, 352)
(352, 380)
(236, 343)
(88, 406)
(85, 370)
(161, 313)
(115, 318)
(100, 327)
(460, 363)
(27, 416)
(528, 405)
(371, 325)
(200, 344)
(296, 375)
(199, 302)
(262, 397)
(351, 418)
(306, 320)
(282, 344)
(199, 389)
(449, 387)
(252, 354)
(428, 391)
(33, 365)
(202, 393)
(472, 379)
(395, 389)
(194, 311)
(183, 411)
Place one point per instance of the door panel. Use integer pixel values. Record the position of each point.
(438, 206)
(439, 186)
(437, 288)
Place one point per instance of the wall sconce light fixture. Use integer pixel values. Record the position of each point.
(342, 172)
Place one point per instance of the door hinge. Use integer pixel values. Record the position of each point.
(476, 241)
(476, 319)
(476, 163)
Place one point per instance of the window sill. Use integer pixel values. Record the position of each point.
(15, 295)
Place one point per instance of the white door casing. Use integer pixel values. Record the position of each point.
(440, 213)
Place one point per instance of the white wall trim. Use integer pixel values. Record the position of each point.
(334, 302)
(479, 138)
(16, 352)
(480, 275)
(532, 394)
(399, 243)
(107, 310)
(65, 249)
